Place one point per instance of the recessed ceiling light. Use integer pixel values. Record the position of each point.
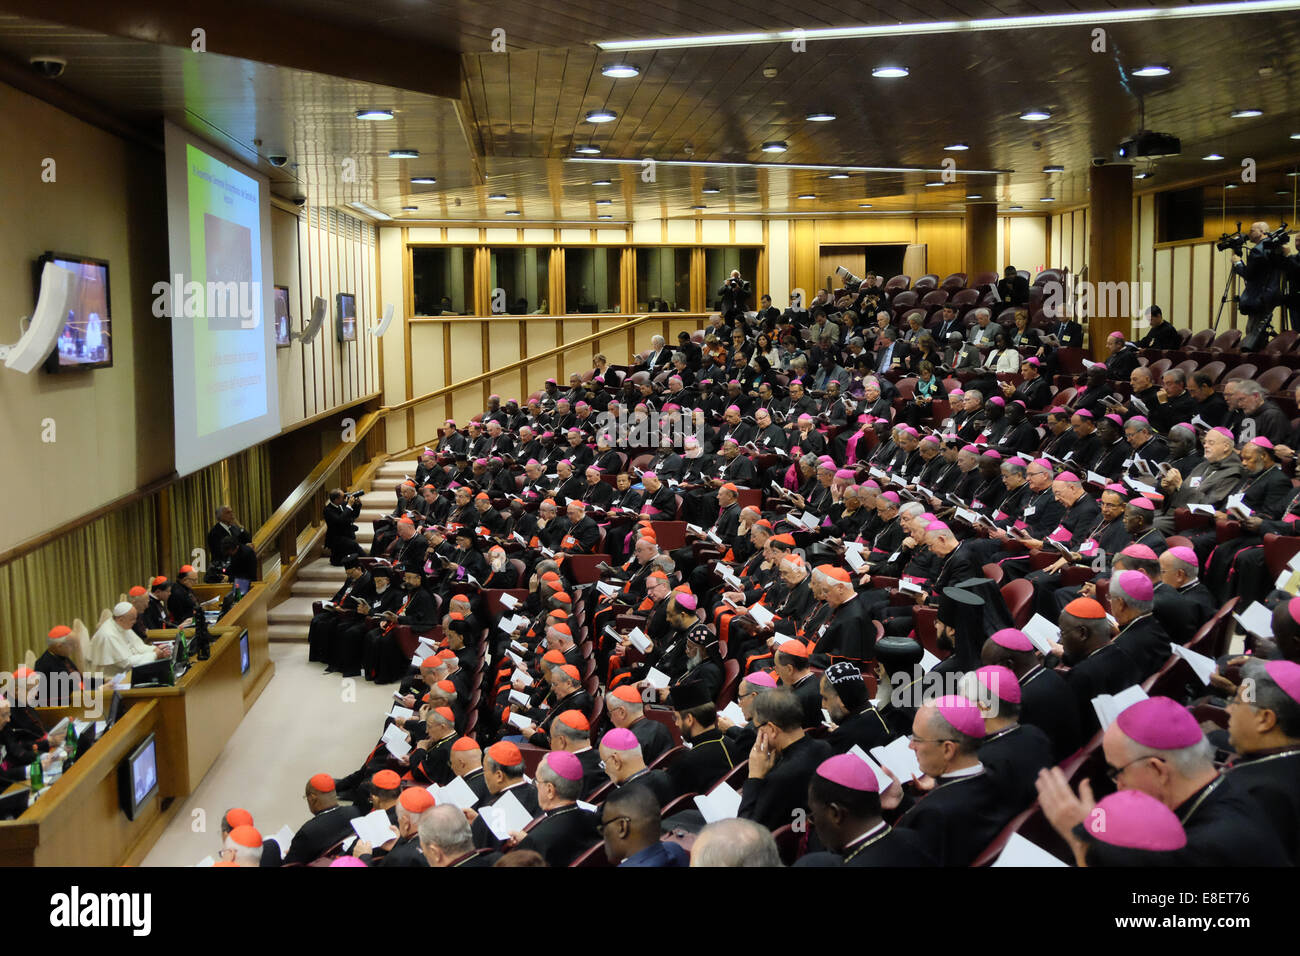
(939, 183)
(602, 182)
(1015, 208)
(423, 180)
(974, 196)
(1229, 185)
(498, 196)
(1248, 113)
(806, 196)
(1154, 69)
(604, 216)
(512, 212)
(410, 208)
(1142, 175)
(710, 190)
(1295, 135)
(1211, 157)
(1047, 199)
(374, 114)
(838, 176)
(820, 117)
(403, 154)
(956, 147)
(700, 206)
(604, 202)
(1035, 116)
(889, 72)
(601, 116)
(587, 150)
(864, 205)
(775, 146)
(1053, 169)
(1281, 192)
(620, 71)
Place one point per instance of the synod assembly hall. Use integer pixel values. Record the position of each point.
(588, 435)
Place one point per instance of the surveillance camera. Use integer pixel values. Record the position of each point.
(300, 200)
(277, 160)
(1099, 160)
(49, 66)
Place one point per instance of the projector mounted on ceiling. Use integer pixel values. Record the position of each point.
(1146, 145)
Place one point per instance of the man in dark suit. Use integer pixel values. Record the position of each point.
(1013, 288)
(564, 830)
(966, 809)
(1264, 727)
(777, 790)
(712, 754)
(1069, 333)
(844, 801)
(1161, 335)
(340, 532)
(330, 824)
(890, 353)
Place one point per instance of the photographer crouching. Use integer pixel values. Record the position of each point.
(340, 532)
(1263, 270)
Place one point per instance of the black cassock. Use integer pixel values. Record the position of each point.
(324, 625)
(1273, 781)
(773, 799)
(320, 833)
(881, 846)
(561, 834)
(344, 651)
(382, 660)
(1046, 703)
(1012, 757)
(959, 818)
(1226, 827)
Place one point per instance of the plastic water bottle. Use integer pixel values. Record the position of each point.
(70, 742)
(35, 777)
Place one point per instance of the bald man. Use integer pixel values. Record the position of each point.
(329, 825)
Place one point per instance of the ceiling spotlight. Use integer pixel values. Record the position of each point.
(1248, 113)
(410, 208)
(602, 182)
(699, 206)
(806, 196)
(974, 196)
(1035, 116)
(423, 180)
(710, 190)
(956, 147)
(1281, 192)
(1295, 135)
(604, 202)
(932, 185)
(604, 216)
(1015, 208)
(889, 72)
(838, 176)
(1053, 169)
(601, 116)
(1155, 69)
(1142, 175)
(864, 205)
(403, 154)
(775, 146)
(1211, 157)
(497, 196)
(512, 212)
(1229, 185)
(1047, 199)
(587, 150)
(374, 114)
(620, 71)
(820, 117)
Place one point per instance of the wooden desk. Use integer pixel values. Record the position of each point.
(79, 821)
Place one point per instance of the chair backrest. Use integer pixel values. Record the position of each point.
(730, 682)
(1187, 368)
(898, 284)
(1283, 343)
(1158, 368)
(1213, 369)
(1243, 371)
(1019, 596)
(787, 843)
(994, 573)
(963, 297)
(926, 283)
(1201, 339)
(1227, 340)
(1272, 380)
(593, 857)
(934, 299)
(904, 299)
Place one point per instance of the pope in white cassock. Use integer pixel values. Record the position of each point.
(116, 648)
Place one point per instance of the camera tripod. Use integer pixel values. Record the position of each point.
(1229, 289)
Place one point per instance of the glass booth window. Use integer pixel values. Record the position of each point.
(520, 280)
(591, 280)
(663, 279)
(718, 264)
(442, 280)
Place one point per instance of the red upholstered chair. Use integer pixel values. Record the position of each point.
(1214, 370)
(1019, 596)
(898, 284)
(1227, 341)
(1243, 372)
(787, 843)
(1275, 378)
(981, 279)
(926, 283)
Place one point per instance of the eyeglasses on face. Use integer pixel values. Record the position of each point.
(1114, 772)
(604, 823)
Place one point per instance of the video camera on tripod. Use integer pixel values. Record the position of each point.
(1273, 243)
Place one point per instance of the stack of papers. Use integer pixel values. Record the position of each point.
(1110, 706)
(720, 803)
(395, 740)
(374, 828)
(1257, 620)
(505, 816)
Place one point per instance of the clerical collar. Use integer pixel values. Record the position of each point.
(1193, 805)
(1140, 617)
(860, 843)
(999, 733)
(971, 771)
(1264, 756)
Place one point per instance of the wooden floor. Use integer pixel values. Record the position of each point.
(301, 725)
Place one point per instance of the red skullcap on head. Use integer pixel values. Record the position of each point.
(794, 649)
(1085, 608)
(573, 718)
(571, 672)
(238, 817)
(246, 836)
(464, 743)
(505, 754)
(137, 591)
(386, 780)
(322, 783)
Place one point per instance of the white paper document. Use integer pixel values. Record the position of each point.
(657, 678)
(518, 697)
(375, 827)
(899, 757)
(1202, 664)
(855, 560)
(928, 661)
(283, 838)
(734, 714)
(1110, 706)
(720, 803)
(638, 640)
(1042, 633)
(761, 615)
(505, 816)
(522, 721)
(395, 740)
(1257, 619)
(458, 793)
(882, 778)
(509, 601)
(400, 713)
(1020, 852)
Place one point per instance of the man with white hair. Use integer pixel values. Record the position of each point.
(1141, 636)
(446, 839)
(626, 711)
(1156, 746)
(1182, 603)
(624, 763)
(59, 667)
(412, 805)
(564, 830)
(735, 843)
(116, 648)
(243, 847)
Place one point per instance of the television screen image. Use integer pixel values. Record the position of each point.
(244, 658)
(86, 340)
(347, 313)
(283, 320)
(138, 777)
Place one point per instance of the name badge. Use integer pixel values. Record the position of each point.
(822, 630)
(1029, 511)
(1195, 481)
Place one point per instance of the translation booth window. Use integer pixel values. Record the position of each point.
(591, 280)
(718, 264)
(442, 280)
(520, 280)
(663, 279)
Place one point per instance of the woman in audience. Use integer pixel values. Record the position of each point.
(764, 348)
(1002, 357)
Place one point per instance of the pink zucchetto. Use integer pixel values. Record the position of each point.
(849, 771)
(962, 714)
(1160, 723)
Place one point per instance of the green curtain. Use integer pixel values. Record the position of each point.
(195, 499)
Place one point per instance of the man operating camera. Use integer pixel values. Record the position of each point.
(734, 296)
(1262, 269)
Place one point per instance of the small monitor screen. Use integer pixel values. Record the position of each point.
(347, 313)
(86, 340)
(283, 321)
(139, 779)
(244, 659)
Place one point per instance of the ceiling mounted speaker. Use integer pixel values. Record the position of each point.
(384, 323)
(318, 309)
(56, 298)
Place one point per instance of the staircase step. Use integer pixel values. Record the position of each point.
(295, 610)
(321, 570)
(287, 633)
(314, 589)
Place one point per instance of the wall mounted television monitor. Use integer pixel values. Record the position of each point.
(347, 316)
(283, 320)
(137, 778)
(86, 341)
(245, 659)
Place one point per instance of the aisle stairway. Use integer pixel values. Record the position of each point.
(318, 579)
